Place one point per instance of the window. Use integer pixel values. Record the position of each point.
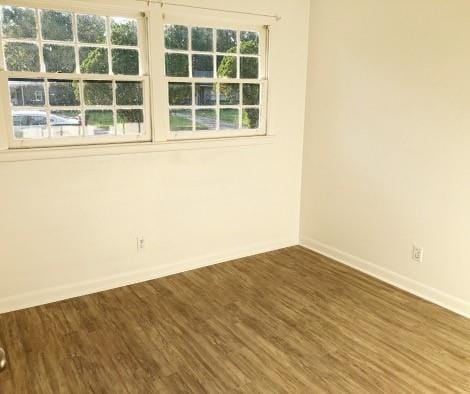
(87, 74)
(216, 80)
(74, 78)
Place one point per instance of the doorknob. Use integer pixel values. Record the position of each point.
(3, 359)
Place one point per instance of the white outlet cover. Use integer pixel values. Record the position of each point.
(417, 254)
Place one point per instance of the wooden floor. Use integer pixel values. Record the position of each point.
(285, 321)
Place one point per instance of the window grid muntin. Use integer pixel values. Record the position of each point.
(152, 32)
(48, 108)
(83, 138)
(216, 79)
(40, 42)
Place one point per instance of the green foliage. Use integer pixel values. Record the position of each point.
(249, 67)
(18, 22)
(250, 118)
(56, 25)
(125, 61)
(229, 93)
(58, 58)
(20, 56)
(177, 65)
(201, 39)
(226, 66)
(102, 118)
(250, 94)
(206, 119)
(181, 120)
(94, 60)
(124, 32)
(91, 29)
(126, 116)
(226, 41)
(203, 66)
(180, 93)
(62, 93)
(249, 47)
(129, 93)
(249, 43)
(176, 37)
(98, 92)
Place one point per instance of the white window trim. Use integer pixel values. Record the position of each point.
(174, 15)
(83, 139)
(158, 118)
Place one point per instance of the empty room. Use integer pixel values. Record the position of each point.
(219, 196)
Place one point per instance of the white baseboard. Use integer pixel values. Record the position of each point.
(59, 293)
(428, 293)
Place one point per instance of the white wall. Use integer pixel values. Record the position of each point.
(68, 226)
(387, 143)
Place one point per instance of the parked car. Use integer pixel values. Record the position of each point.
(33, 124)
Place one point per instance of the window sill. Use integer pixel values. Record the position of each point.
(30, 154)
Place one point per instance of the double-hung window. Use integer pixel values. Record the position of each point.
(216, 79)
(74, 77)
(88, 74)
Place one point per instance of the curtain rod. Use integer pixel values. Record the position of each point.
(163, 3)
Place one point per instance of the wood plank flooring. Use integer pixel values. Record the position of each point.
(280, 322)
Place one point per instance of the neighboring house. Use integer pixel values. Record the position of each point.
(26, 93)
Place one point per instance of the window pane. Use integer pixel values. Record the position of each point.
(98, 92)
(91, 29)
(229, 94)
(180, 93)
(130, 121)
(250, 94)
(64, 93)
(65, 123)
(202, 39)
(26, 92)
(227, 41)
(123, 31)
(30, 124)
(176, 37)
(203, 66)
(229, 118)
(18, 22)
(249, 67)
(177, 65)
(58, 58)
(206, 119)
(250, 118)
(181, 120)
(227, 66)
(205, 94)
(129, 93)
(99, 122)
(20, 56)
(125, 61)
(249, 43)
(56, 26)
(94, 60)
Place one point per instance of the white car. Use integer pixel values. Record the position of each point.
(33, 124)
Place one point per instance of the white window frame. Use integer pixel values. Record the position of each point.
(157, 135)
(83, 139)
(175, 17)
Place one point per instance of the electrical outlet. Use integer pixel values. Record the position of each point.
(417, 254)
(140, 243)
